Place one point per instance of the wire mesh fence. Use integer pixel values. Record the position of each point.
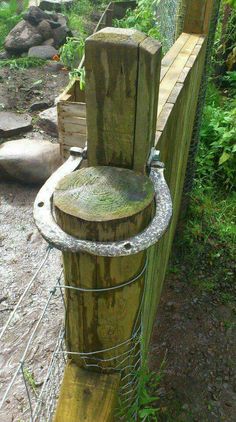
(166, 11)
(30, 384)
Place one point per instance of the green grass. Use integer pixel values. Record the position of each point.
(205, 250)
(20, 63)
(9, 17)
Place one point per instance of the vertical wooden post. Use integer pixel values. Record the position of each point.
(198, 16)
(109, 201)
(122, 82)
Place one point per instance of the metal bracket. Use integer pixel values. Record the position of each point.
(55, 236)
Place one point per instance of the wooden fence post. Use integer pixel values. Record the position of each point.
(194, 16)
(108, 201)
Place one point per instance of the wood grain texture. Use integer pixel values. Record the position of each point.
(123, 204)
(149, 64)
(197, 16)
(174, 125)
(86, 396)
(111, 63)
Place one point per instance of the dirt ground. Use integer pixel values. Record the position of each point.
(195, 334)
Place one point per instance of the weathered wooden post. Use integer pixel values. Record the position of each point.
(110, 201)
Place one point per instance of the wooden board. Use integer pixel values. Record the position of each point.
(86, 396)
(149, 63)
(174, 124)
(171, 77)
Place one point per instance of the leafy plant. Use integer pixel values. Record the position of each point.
(72, 51)
(29, 378)
(141, 18)
(145, 407)
(216, 161)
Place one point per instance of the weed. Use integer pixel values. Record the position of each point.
(22, 63)
(72, 52)
(29, 378)
(146, 406)
(141, 18)
(216, 161)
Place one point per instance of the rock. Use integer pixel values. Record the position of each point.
(22, 37)
(12, 124)
(56, 5)
(62, 19)
(44, 28)
(54, 67)
(29, 160)
(48, 121)
(60, 35)
(49, 42)
(4, 55)
(54, 24)
(35, 15)
(40, 105)
(44, 52)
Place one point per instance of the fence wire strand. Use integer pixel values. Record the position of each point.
(125, 358)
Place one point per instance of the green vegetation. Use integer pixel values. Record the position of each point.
(21, 63)
(30, 380)
(146, 407)
(9, 17)
(141, 18)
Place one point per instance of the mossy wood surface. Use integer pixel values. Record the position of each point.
(124, 203)
(86, 397)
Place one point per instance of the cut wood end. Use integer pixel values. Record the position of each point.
(103, 193)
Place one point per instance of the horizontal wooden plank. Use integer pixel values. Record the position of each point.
(87, 396)
(172, 53)
(172, 75)
(163, 116)
(74, 120)
(73, 139)
(71, 128)
(68, 109)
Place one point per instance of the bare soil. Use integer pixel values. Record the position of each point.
(195, 335)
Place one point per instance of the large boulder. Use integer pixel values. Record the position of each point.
(22, 37)
(29, 160)
(11, 124)
(45, 52)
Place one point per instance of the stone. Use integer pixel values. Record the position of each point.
(49, 42)
(40, 105)
(60, 35)
(35, 15)
(44, 52)
(22, 37)
(48, 121)
(4, 55)
(55, 5)
(53, 67)
(11, 124)
(29, 160)
(45, 29)
(54, 24)
(62, 19)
